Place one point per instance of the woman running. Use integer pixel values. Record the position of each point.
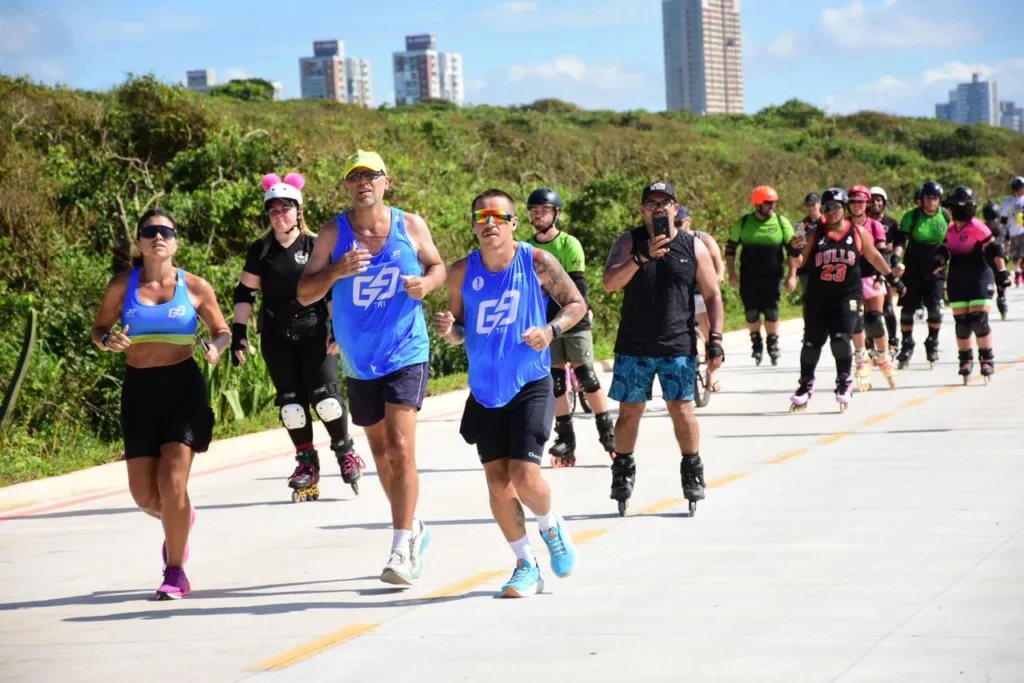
(297, 343)
(165, 416)
(835, 251)
(974, 253)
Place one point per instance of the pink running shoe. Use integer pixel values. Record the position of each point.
(184, 559)
(175, 585)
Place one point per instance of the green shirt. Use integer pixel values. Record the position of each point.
(925, 234)
(762, 243)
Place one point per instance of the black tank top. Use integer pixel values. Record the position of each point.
(657, 309)
(834, 266)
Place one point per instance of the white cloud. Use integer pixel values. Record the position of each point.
(892, 28)
(19, 34)
(572, 15)
(600, 76)
(156, 22)
(234, 74)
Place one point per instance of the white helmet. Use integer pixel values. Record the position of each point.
(290, 188)
(877, 191)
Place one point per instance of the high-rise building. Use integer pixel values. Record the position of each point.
(328, 75)
(703, 56)
(278, 90)
(201, 80)
(974, 102)
(1011, 116)
(359, 82)
(421, 72)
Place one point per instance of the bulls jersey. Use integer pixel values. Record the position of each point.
(834, 265)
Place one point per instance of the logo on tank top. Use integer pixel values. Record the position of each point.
(130, 313)
(495, 313)
(478, 283)
(375, 290)
(176, 312)
(301, 257)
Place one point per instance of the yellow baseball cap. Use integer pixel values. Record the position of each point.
(364, 159)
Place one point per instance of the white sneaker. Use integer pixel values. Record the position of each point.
(398, 570)
(418, 544)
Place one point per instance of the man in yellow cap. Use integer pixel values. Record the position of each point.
(379, 262)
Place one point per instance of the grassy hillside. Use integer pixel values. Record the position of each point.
(77, 169)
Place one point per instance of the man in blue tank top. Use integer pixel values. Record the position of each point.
(379, 262)
(496, 306)
(660, 268)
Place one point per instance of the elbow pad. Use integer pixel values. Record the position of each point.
(730, 248)
(245, 295)
(992, 251)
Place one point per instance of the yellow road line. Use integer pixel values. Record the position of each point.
(950, 389)
(727, 479)
(313, 648)
(788, 455)
(465, 585)
(914, 402)
(659, 506)
(875, 419)
(832, 438)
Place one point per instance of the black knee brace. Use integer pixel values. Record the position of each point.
(588, 378)
(810, 352)
(934, 314)
(874, 322)
(906, 316)
(771, 315)
(979, 324)
(858, 327)
(558, 381)
(753, 315)
(962, 325)
(842, 346)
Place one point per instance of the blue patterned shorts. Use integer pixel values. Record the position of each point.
(633, 378)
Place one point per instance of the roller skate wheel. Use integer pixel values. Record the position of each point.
(931, 365)
(987, 379)
(355, 487)
(315, 496)
(623, 504)
(757, 362)
(570, 461)
(295, 496)
(775, 362)
(842, 408)
(693, 508)
(966, 379)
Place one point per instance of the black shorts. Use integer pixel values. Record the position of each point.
(297, 367)
(167, 404)
(823, 320)
(760, 292)
(926, 293)
(975, 288)
(518, 430)
(366, 397)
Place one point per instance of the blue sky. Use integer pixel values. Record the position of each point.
(898, 56)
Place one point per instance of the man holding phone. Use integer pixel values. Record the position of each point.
(660, 268)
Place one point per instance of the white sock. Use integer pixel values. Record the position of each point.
(522, 550)
(402, 538)
(417, 526)
(545, 522)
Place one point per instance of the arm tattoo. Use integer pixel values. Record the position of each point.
(561, 288)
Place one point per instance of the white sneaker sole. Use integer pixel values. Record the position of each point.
(394, 578)
(511, 592)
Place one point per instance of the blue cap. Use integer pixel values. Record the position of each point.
(683, 212)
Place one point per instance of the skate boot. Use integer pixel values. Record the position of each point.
(563, 451)
(931, 349)
(987, 361)
(691, 473)
(623, 478)
(906, 353)
(757, 347)
(888, 371)
(844, 392)
(606, 432)
(351, 465)
(1002, 305)
(863, 373)
(804, 391)
(306, 477)
(966, 364)
(772, 342)
(894, 349)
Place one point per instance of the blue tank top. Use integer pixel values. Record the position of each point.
(499, 308)
(173, 322)
(379, 328)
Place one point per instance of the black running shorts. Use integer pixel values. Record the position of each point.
(166, 404)
(518, 430)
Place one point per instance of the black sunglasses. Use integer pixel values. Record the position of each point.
(165, 231)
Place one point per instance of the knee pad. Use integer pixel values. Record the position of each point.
(842, 346)
(330, 409)
(293, 416)
(810, 352)
(979, 324)
(753, 315)
(771, 315)
(934, 314)
(874, 322)
(858, 326)
(962, 325)
(558, 380)
(588, 378)
(906, 316)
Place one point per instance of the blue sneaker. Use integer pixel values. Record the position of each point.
(418, 544)
(561, 548)
(525, 581)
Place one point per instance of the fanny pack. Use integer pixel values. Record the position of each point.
(295, 326)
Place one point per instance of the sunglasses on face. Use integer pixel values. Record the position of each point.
(832, 206)
(483, 216)
(151, 231)
(654, 206)
(368, 176)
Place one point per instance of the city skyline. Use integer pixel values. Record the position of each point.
(593, 53)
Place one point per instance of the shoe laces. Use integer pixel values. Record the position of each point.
(174, 576)
(520, 572)
(351, 463)
(555, 543)
(398, 557)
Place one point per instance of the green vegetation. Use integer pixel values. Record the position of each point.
(77, 169)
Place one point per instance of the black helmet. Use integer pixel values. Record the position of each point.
(990, 211)
(544, 197)
(1017, 183)
(835, 194)
(931, 189)
(961, 196)
(917, 195)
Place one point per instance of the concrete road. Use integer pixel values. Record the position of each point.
(880, 545)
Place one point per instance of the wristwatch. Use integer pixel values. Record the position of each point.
(556, 331)
(104, 338)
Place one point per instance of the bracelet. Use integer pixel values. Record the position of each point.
(636, 259)
(715, 336)
(104, 338)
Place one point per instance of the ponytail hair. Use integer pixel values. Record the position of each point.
(136, 256)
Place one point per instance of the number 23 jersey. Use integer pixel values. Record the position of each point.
(834, 266)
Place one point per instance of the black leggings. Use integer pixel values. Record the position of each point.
(834, 322)
(305, 375)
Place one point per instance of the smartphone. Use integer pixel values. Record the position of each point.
(662, 226)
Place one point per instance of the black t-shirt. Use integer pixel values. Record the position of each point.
(657, 309)
(279, 270)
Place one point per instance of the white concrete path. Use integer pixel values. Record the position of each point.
(883, 545)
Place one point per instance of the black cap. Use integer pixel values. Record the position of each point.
(662, 186)
(812, 198)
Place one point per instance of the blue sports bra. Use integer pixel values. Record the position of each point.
(173, 322)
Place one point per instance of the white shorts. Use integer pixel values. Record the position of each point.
(698, 305)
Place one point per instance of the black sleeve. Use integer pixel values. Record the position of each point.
(580, 281)
(253, 263)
